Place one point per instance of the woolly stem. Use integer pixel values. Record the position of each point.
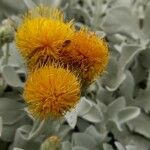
(37, 129)
(7, 54)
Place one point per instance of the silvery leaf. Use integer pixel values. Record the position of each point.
(114, 126)
(119, 146)
(103, 95)
(127, 114)
(79, 148)
(131, 147)
(21, 140)
(9, 131)
(10, 111)
(107, 147)
(64, 131)
(30, 4)
(52, 3)
(140, 125)
(116, 71)
(82, 124)
(51, 126)
(71, 118)
(1, 126)
(11, 5)
(147, 21)
(13, 116)
(148, 82)
(66, 145)
(143, 100)
(83, 106)
(93, 115)
(128, 53)
(17, 148)
(11, 77)
(128, 138)
(101, 106)
(98, 11)
(127, 87)
(92, 131)
(78, 13)
(139, 72)
(117, 39)
(116, 106)
(114, 77)
(116, 3)
(121, 20)
(1, 52)
(144, 58)
(15, 60)
(83, 139)
(14, 96)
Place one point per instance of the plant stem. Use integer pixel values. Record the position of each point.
(5, 61)
(37, 129)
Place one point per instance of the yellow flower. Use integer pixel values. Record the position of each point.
(40, 35)
(51, 91)
(86, 53)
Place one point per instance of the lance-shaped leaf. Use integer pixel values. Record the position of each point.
(147, 21)
(53, 3)
(83, 106)
(131, 147)
(140, 125)
(114, 77)
(30, 4)
(94, 115)
(71, 118)
(21, 140)
(128, 54)
(143, 98)
(79, 148)
(13, 116)
(119, 146)
(83, 140)
(66, 145)
(115, 107)
(127, 87)
(127, 114)
(121, 20)
(1, 126)
(107, 147)
(11, 77)
(116, 70)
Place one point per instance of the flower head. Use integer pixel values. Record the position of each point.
(87, 53)
(51, 91)
(39, 36)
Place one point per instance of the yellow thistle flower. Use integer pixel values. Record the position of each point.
(86, 53)
(42, 32)
(51, 91)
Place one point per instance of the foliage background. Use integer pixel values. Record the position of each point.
(114, 113)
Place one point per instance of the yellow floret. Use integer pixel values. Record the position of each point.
(40, 35)
(88, 54)
(51, 92)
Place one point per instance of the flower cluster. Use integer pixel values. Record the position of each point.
(60, 60)
(40, 35)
